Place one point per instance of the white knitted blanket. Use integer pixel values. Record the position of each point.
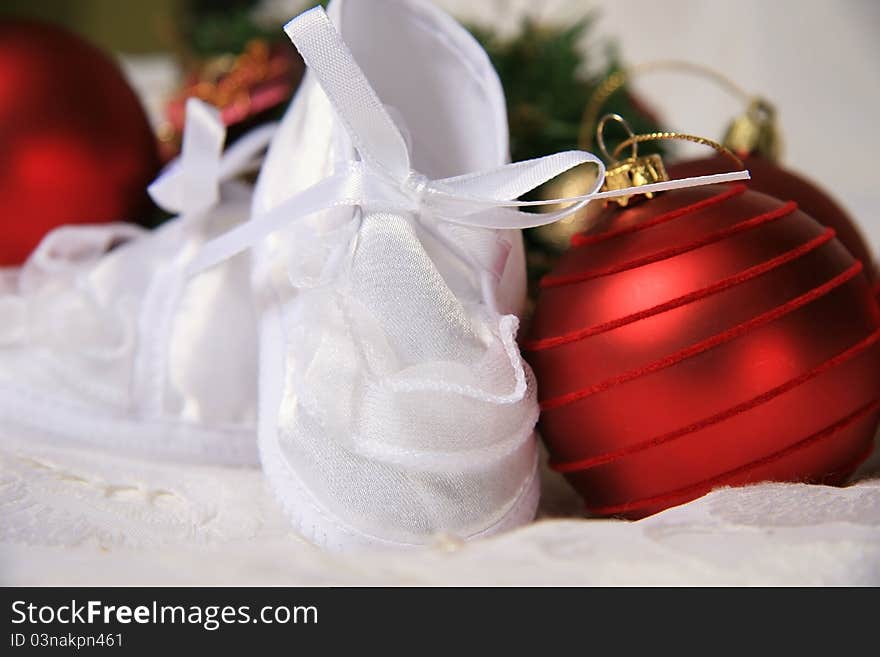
(77, 518)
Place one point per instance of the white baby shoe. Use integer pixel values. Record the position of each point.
(103, 340)
(394, 404)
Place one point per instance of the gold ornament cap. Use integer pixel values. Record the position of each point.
(755, 131)
(634, 171)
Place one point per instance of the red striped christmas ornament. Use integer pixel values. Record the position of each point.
(771, 178)
(711, 336)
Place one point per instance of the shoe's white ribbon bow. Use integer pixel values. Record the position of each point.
(190, 185)
(383, 178)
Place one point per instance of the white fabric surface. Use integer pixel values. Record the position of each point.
(71, 518)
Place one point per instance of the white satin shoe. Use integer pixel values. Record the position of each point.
(394, 405)
(104, 341)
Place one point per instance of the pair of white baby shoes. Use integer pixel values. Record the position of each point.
(349, 324)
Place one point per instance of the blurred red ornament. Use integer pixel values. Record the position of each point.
(712, 336)
(769, 177)
(76, 144)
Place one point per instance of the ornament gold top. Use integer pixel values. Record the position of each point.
(755, 131)
(634, 172)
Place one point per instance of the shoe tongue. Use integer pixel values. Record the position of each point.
(446, 95)
(436, 77)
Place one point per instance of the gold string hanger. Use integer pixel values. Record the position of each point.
(632, 140)
(635, 171)
(755, 130)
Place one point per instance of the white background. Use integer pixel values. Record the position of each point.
(817, 60)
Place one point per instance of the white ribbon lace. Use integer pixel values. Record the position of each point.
(190, 185)
(383, 180)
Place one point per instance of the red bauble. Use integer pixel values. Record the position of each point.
(76, 144)
(711, 336)
(770, 178)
